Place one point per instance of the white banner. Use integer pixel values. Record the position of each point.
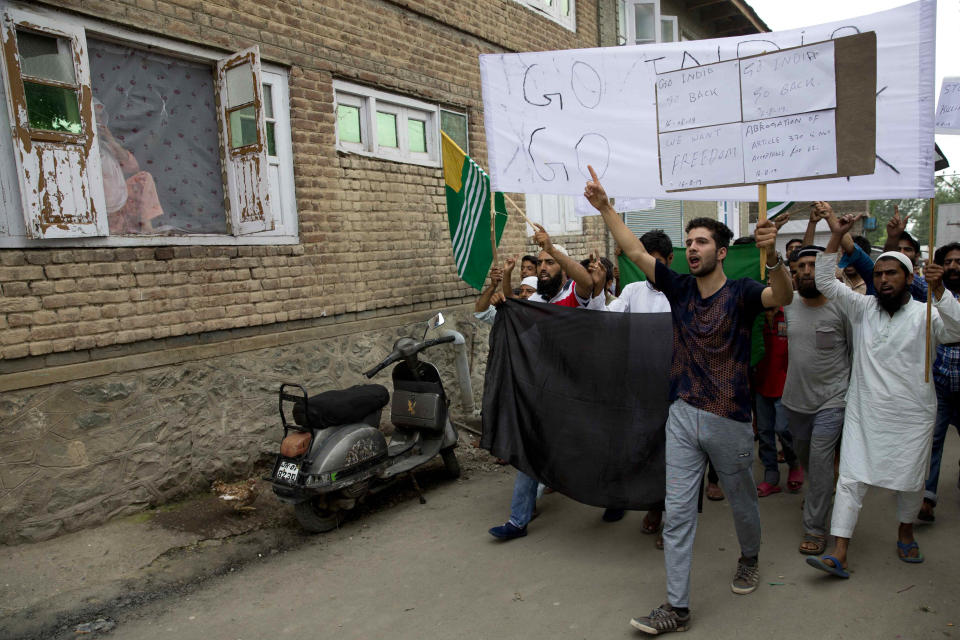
(550, 114)
(948, 107)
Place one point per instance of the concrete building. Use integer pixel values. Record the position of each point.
(263, 203)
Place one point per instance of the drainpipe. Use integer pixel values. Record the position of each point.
(463, 370)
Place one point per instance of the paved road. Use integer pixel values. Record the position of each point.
(431, 571)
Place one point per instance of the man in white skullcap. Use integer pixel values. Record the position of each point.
(888, 426)
(528, 287)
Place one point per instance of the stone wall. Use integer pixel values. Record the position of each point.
(73, 455)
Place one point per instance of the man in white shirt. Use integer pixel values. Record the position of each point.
(888, 426)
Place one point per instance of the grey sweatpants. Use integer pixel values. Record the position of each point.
(692, 435)
(815, 437)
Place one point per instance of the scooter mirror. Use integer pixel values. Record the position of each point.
(433, 323)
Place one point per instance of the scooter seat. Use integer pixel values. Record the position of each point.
(360, 403)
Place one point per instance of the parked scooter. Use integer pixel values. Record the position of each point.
(334, 454)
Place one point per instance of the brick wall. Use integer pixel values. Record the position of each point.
(373, 233)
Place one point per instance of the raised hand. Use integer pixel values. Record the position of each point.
(509, 264)
(497, 298)
(933, 272)
(781, 220)
(766, 234)
(844, 223)
(496, 275)
(542, 238)
(896, 225)
(594, 191)
(820, 210)
(598, 273)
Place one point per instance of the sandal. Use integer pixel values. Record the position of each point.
(819, 544)
(647, 527)
(714, 492)
(835, 569)
(765, 489)
(904, 549)
(659, 542)
(795, 480)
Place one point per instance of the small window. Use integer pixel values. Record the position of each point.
(668, 29)
(455, 125)
(402, 129)
(640, 22)
(562, 12)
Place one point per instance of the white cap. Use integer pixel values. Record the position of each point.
(529, 281)
(896, 255)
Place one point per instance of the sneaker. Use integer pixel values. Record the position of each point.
(746, 579)
(508, 531)
(663, 619)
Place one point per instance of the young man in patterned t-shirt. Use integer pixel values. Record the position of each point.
(710, 412)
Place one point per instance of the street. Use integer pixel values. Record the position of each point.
(431, 571)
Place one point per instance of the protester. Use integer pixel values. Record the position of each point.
(771, 373)
(814, 392)
(709, 389)
(528, 287)
(946, 380)
(528, 269)
(888, 426)
(898, 239)
(792, 245)
(484, 308)
(642, 297)
(552, 287)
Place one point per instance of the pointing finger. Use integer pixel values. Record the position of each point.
(593, 174)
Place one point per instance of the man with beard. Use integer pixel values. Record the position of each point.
(946, 380)
(710, 393)
(814, 392)
(888, 426)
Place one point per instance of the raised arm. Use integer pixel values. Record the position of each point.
(780, 291)
(574, 270)
(827, 283)
(507, 285)
(483, 302)
(809, 236)
(895, 229)
(628, 242)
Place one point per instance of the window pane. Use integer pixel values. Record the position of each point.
(159, 143)
(268, 101)
(52, 108)
(348, 123)
(417, 132)
(386, 129)
(271, 140)
(239, 85)
(243, 127)
(455, 126)
(45, 57)
(666, 30)
(643, 19)
(565, 8)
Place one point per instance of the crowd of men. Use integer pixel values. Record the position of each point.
(840, 387)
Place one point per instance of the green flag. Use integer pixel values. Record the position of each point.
(776, 208)
(468, 211)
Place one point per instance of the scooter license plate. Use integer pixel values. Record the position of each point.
(288, 472)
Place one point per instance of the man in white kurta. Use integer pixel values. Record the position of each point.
(890, 413)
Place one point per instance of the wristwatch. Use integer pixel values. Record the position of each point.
(779, 263)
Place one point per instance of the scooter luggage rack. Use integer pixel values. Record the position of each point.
(287, 427)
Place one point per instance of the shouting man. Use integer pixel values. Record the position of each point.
(709, 390)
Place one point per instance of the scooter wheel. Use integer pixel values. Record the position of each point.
(315, 518)
(450, 463)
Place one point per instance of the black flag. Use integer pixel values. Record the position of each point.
(578, 400)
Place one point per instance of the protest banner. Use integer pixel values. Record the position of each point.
(948, 107)
(549, 114)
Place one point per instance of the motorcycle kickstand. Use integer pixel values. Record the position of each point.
(416, 487)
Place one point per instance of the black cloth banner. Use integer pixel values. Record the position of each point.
(578, 399)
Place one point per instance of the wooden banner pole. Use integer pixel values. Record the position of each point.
(519, 210)
(762, 217)
(933, 227)
(493, 227)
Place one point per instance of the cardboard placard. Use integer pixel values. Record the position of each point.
(805, 113)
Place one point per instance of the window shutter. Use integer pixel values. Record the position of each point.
(572, 223)
(667, 215)
(54, 136)
(243, 132)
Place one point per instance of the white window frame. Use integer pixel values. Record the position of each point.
(466, 120)
(550, 9)
(676, 27)
(557, 214)
(13, 233)
(372, 100)
(627, 31)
